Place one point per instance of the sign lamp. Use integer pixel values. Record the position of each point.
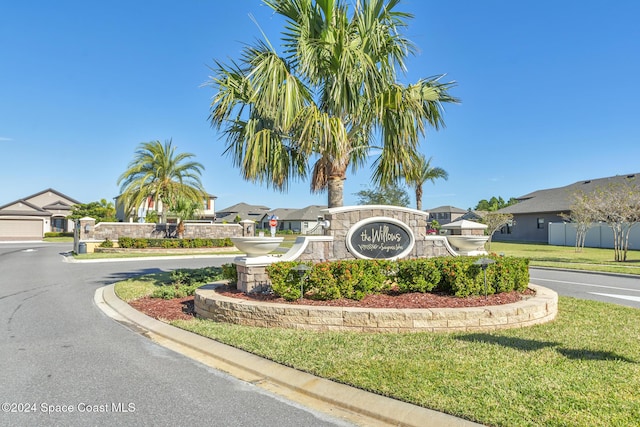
(484, 263)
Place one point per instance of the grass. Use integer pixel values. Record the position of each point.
(142, 286)
(58, 239)
(582, 369)
(592, 259)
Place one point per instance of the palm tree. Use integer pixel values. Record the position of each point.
(324, 99)
(184, 209)
(158, 173)
(421, 173)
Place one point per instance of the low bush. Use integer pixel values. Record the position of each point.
(125, 242)
(142, 243)
(106, 244)
(58, 234)
(355, 279)
(183, 282)
(230, 273)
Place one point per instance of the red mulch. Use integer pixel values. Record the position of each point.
(182, 308)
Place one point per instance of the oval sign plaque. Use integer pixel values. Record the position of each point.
(380, 238)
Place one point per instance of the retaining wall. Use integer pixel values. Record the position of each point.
(541, 308)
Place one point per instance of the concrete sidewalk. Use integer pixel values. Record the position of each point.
(339, 400)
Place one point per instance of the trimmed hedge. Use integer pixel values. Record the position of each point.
(355, 279)
(143, 243)
(58, 234)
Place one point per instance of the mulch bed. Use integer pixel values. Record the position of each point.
(183, 308)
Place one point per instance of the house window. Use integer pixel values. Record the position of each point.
(58, 224)
(506, 229)
(540, 223)
(206, 204)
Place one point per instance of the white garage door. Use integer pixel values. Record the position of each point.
(21, 229)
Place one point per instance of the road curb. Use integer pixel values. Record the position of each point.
(368, 408)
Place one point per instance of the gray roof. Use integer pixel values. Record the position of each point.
(243, 210)
(280, 213)
(559, 199)
(451, 209)
(309, 213)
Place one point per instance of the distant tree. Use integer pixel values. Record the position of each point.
(185, 209)
(582, 216)
(494, 204)
(391, 194)
(157, 171)
(420, 173)
(102, 211)
(151, 217)
(494, 222)
(617, 205)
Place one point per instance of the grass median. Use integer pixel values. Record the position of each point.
(582, 369)
(591, 259)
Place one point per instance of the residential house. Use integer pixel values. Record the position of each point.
(303, 221)
(446, 214)
(207, 213)
(29, 218)
(534, 211)
(241, 211)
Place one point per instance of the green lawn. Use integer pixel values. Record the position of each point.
(58, 239)
(583, 369)
(592, 259)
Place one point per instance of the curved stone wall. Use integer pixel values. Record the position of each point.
(541, 308)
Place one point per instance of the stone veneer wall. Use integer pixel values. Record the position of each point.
(541, 308)
(114, 230)
(342, 219)
(317, 251)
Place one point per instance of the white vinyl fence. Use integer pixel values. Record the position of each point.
(599, 235)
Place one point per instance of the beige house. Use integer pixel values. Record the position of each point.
(208, 211)
(29, 218)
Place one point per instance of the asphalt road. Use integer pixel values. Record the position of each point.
(611, 288)
(64, 362)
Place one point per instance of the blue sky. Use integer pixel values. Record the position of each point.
(549, 93)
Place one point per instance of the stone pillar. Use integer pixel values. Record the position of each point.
(87, 226)
(248, 228)
(252, 273)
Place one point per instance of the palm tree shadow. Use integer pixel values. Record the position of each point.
(523, 344)
(512, 342)
(117, 277)
(586, 354)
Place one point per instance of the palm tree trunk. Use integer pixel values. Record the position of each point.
(419, 197)
(335, 190)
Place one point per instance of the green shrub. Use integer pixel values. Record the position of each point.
(418, 275)
(184, 282)
(142, 243)
(321, 283)
(59, 234)
(356, 279)
(230, 273)
(106, 244)
(125, 242)
(284, 281)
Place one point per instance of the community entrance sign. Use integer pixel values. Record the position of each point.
(380, 238)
